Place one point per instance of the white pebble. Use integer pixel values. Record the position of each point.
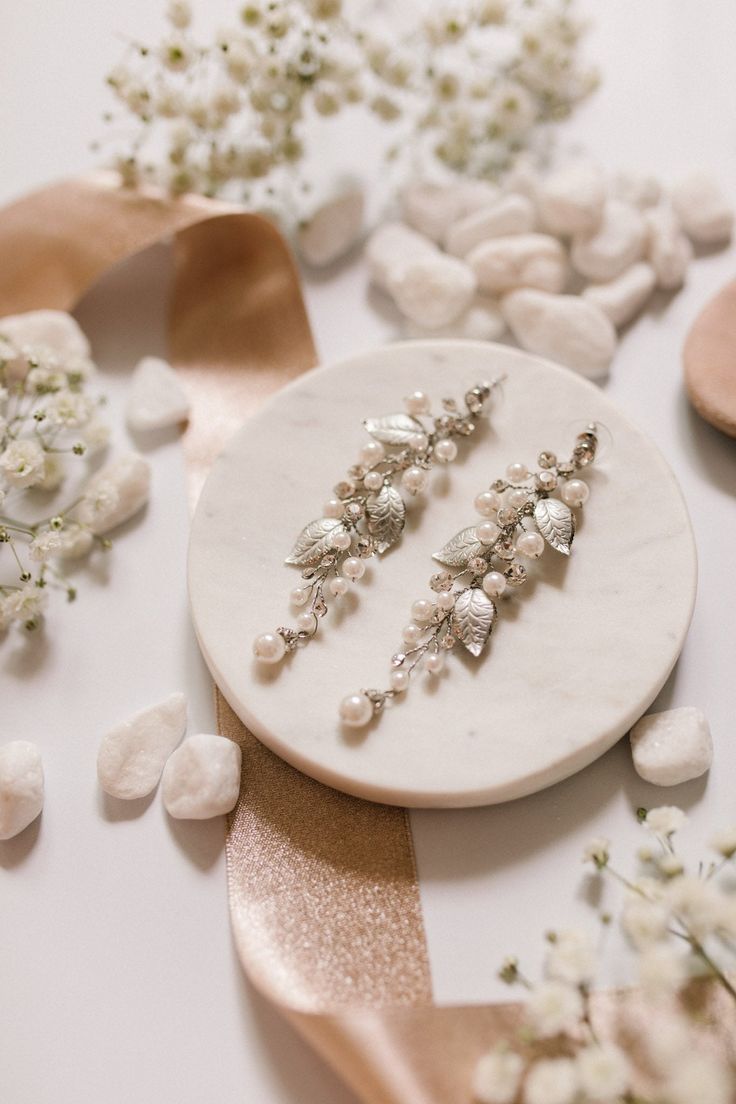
(565, 328)
(513, 214)
(156, 398)
(432, 208)
(638, 189)
(333, 228)
(614, 246)
(622, 299)
(55, 329)
(470, 195)
(202, 778)
(668, 250)
(702, 208)
(132, 755)
(521, 260)
(21, 786)
(482, 321)
(432, 291)
(571, 200)
(391, 245)
(129, 477)
(672, 747)
(523, 178)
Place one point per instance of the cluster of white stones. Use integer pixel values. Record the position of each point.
(561, 260)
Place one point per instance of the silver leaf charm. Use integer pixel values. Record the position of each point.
(556, 522)
(386, 517)
(393, 429)
(313, 542)
(473, 618)
(461, 549)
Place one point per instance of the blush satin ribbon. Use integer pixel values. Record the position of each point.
(323, 890)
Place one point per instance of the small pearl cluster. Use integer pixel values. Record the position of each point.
(366, 514)
(486, 555)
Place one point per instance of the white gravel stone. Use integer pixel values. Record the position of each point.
(392, 245)
(564, 328)
(202, 778)
(470, 195)
(55, 329)
(672, 747)
(482, 321)
(522, 260)
(638, 189)
(617, 244)
(571, 200)
(156, 398)
(702, 208)
(132, 755)
(333, 228)
(432, 291)
(130, 476)
(432, 208)
(21, 786)
(513, 214)
(622, 299)
(523, 178)
(668, 250)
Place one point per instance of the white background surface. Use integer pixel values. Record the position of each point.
(118, 981)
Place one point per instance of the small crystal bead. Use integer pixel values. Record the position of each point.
(546, 459)
(516, 574)
(441, 581)
(507, 515)
(345, 488)
(546, 480)
(478, 565)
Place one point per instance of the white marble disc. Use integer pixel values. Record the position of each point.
(576, 656)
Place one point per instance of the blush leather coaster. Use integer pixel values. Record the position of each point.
(709, 359)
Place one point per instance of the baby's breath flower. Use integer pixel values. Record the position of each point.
(176, 54)
(22, 464)
(724, 842)
(551, 1081)
(497, 1077)
(179, 14)
(603, 1072)
(98, 502)
(554, 1007)
(662, 970)
(571, 958)
(598, 851)
(704, 1078)
(669, 865)
(644, 922)
(26, 604)
(696, 904)
(665, 820)
(45, 545)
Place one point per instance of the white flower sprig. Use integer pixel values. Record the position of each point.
(466, 83)
(682, 930)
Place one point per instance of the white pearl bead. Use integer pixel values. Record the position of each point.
(306, 622)
(353, 569)
(372, 453)
(373, 481)
(337, 587)
(517, 497)
(433, 662)
(299, 596)
(487, 532)
(333, 508)
(414, 479)
(356, 710)
(269, 647)
(487, 503)
(422, 609)
(530, 544)
(399, 681)
(494, 584)
(516, 472)
(417, 402)
(418, 442)
(445, 600)
(445, 450)
(340, 539)
(575, 492)
(411, 633)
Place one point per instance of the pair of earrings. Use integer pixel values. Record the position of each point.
(519, 515)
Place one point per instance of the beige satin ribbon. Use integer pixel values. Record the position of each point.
(323, 889)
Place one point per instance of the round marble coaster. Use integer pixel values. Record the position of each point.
(577, 654)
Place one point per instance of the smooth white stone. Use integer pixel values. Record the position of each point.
(523, 178)
(156, 398)
(672, 747)
(668, 249)
(202, 778)
(565, 328)
(639, 189)
(330, 231)
(392, 245)
(21, 786)
(522, 260)
(432, 291)
(572, 198)
(132, 755)
(618, 242)
(130, 474)
(432, 208)
(702, 208)
(622, 299)
(55, 329)
(482, 321)
(543, 729)
(513, 214)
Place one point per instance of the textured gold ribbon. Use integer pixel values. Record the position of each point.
(323, 889)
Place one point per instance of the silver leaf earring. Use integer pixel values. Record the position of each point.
(367, 514)
(520, 515)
